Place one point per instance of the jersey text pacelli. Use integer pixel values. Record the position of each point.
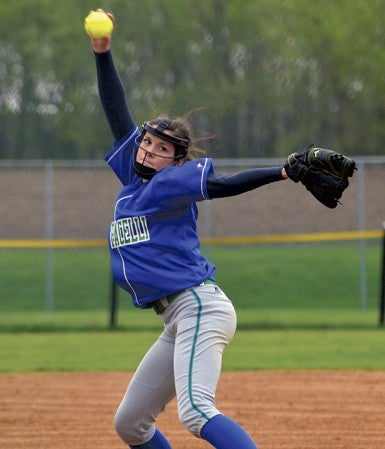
(153, 237)
(128, 231)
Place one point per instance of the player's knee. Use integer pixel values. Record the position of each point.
(129, 429)
(124, 426)
(190, 423)
(192, 420)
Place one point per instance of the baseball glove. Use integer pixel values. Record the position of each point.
(324, 173)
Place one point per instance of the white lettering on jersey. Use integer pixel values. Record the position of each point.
(128, 231)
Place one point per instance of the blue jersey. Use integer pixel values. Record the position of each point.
(153, 236)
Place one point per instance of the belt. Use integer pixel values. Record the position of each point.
(162, 303)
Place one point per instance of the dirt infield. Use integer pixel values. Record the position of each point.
(291, 410)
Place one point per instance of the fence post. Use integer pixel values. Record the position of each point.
(113, 302)
(382, 282)
(362, 227)
(49, 235)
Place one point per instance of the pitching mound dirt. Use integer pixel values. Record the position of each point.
(291, 410)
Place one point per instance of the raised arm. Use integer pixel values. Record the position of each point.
(111, 90)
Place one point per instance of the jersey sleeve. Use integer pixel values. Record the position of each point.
(121, 157)
(112, 96)
(221, 186)
(176, 186)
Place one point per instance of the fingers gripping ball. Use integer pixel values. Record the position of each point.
(98, 24)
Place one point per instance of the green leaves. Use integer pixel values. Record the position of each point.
(265, 77)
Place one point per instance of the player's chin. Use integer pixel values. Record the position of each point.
(146, 164)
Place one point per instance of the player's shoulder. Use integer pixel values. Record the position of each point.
(199, 164)
(185, 172)
(195, 168)
(127, 142)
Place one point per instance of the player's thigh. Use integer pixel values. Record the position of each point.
(206, 324)
(152, 385)
(207, 327)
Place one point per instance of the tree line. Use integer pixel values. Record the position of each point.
(257, 78)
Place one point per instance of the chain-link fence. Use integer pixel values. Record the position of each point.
(74, 201)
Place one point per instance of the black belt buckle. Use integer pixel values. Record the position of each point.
(162, 303)
(158, 306)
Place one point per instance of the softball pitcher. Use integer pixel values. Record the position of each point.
(155, 257)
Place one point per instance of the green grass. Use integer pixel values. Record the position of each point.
(146, 320)
(298, 307)
(264, 276)
(266, 339)
(251, 350)
(297, 276)
(81, 279)
(307, 349)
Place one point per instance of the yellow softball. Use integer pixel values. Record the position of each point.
(97, 24)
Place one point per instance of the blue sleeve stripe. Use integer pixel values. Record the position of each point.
(123, 143)
(204, 180)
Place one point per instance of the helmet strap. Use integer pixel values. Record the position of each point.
(143, 171)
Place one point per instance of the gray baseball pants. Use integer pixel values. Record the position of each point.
(185, 362)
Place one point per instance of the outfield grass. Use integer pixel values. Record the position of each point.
(298, 308)
(296, 349)
(264, 276)
(266, 339)
(135, 320)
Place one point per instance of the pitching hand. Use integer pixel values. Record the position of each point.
(102, 44)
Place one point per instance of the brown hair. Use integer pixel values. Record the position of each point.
(180, 127)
